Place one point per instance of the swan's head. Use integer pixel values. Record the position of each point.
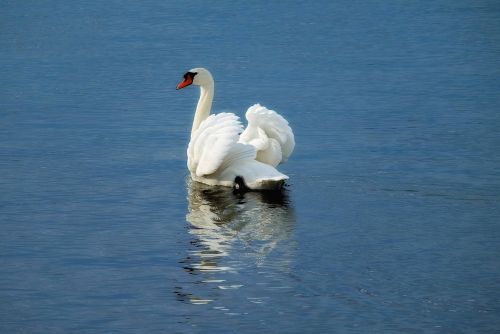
(198, 76)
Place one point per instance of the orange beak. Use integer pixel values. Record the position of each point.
(185, 82)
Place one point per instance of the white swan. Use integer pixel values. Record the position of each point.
(221, 153)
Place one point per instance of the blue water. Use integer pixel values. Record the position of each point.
(390, 219)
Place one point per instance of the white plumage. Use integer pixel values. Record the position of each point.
(269, 133)
(212, 142)
(218, 154)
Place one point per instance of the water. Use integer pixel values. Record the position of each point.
(389, 222)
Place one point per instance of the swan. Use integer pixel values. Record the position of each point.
(220, 152)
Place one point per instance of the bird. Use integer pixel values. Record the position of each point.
(222, 153)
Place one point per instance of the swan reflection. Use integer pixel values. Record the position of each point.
(232, 232)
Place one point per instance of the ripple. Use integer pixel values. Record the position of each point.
(228, 287)
(199, 301)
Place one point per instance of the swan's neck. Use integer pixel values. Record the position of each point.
(204, 105)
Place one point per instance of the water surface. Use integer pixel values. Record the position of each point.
(389, 222)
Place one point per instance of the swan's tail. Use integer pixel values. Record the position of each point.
(255, 175)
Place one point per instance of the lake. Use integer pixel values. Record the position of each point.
(389, 221)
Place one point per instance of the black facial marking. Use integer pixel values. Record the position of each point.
(190, 75)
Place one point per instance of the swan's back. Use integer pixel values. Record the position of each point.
(215, 156)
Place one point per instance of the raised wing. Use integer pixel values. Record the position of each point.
(215, 143)
(269, 133)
